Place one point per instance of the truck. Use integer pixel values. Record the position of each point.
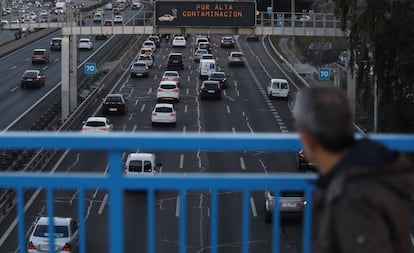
(60, 8)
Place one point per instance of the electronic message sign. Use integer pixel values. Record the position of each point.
(205, 14)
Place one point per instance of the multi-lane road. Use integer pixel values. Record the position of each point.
(245, 107)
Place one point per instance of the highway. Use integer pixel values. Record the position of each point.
(244, 108)
(15, 100)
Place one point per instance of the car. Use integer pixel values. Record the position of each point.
(147, 59)
(136, 5)
(116, 11)
(205, 45)
(146, 51)
(156, 40)
(210, 89)
(44, 18)
(236, 59)
(175, 61)
(278, 88)
(65, 235)
(179, 41)
(198, 54)
(227, 41)
(207, 57)
(43, 12)
(139, 68)
(149, 44)
(101, 36)
(118, 19)
(40, 56)
(220, 77)
(303, 164)
(163, 113)
(85, 43)
(4, 22)
(97, 124)
(114, 103)
(32, 78)
(168, 90)
(56, 43)
(166, 17)
(252, 37)
(97, 18)
(200, 39)
(290, 202)
(170, 75)
(142, 164)
(108, 22)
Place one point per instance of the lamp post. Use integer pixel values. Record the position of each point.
(292, 8)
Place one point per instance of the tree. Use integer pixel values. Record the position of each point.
(382, 42)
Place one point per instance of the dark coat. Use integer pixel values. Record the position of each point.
(362, 206)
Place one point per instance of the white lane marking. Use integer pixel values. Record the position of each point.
(181, 161)
(177, 207)
(155, 77)
(233, 130)
(45, 67)
(142, 107)
(56, 60)
(14, 88)
(228, 109)
(184, 129)
(187, 91)
(27, 59)
(225, 93)
(412, 239)
(149, 91)
(242, 163)
(159, 67)
(130, 116)
(136, 102)
(14, 67)
(134, 128)
(188, 78)
(185, 108)
(103, 204)
(253, 207)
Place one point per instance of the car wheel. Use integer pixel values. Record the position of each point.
(132, 75)
(268, 217)
(23, 86)
(174, 124)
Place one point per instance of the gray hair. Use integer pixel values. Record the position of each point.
(325, 114)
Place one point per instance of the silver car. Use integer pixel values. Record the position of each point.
(147, 59)
(66, 236)
(139, 68)
(289, 202)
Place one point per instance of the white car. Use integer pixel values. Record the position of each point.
(168, 90)
(278, 88)
(66, 236)
(97, 124)
(118, 19)
(43, 12)
(149, 44)
(166, 17)
(179, 41)
(170, 75)
(142, 164)
(85, 43)
(164, 113)
(4, 22)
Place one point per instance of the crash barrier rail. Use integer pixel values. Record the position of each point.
(116, 184)
(281, 23)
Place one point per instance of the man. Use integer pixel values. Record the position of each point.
(361, 204)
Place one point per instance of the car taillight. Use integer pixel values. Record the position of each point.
(125, 170)
(23, 78)
(172, 114)
(36, 78)
(85, 128)
(222, 41)
(132, 68)
(272, 202)
(146, 69)
(159, 89)
(175, 90)
(154, 114)
(31, 246)
(104, 128)
(43, 56)
(301, 155)
(303, 203)
(33, 56)
(120, 103)
(66, 247)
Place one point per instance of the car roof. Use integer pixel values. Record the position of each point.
(138, 156)
(279, 80)
(164, 105)
(114, 95)
(84, 39)
(236, 52)
(176, 53)
(168, 82)
(39, 49)
(103, 119)
(211, 81)
(58, 221)
(57, 38)
(171, 71)
(32, 70)
(148, 41)
(218, 72)
(140, 63)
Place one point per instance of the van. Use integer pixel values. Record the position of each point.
(142, 164)
(278, 88)
(206, 67)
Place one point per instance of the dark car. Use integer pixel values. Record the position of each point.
(40, 56)
(205, 45)
(227, 41)
(32, 78)
(210, 89)
(156, 40)
(302, 163)
(56, 44)
(252, 37)
(101, 37)
(219, 77)
(114, 103)
(175, 61)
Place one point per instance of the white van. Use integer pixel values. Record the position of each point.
(142, 164)
(278, 88)
(97, 18)
(206, 67)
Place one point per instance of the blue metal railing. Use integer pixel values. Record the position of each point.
(115, 183)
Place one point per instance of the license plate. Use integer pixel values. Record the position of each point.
(29, 79)
(211, 91)
(44, 247)
(113, 109)
(288, 204)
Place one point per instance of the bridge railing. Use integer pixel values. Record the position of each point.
(115, 183)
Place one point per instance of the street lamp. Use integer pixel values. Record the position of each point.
(292, 9)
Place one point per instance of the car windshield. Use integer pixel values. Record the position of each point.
(201, 51)
(147, 166)
(42, 231)
(145, 58)
(30, 74)
(135, 166)
(170, 74)
(227, 39)
(163, 109)
(84, 40)
(283, 85)
(95, 123)
(38, 52)
(210, 85)
(237, 55)
(168, 86)
(175, 57)
(289, 194)
(113, 99)
(139, 65)
(56, 41)
(148, 43)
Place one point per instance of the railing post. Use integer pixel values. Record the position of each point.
(116, 210)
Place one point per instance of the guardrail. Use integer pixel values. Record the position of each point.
(116, 184)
